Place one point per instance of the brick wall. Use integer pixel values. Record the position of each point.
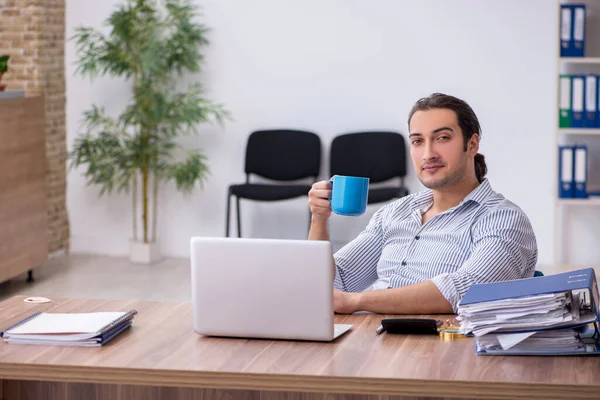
(33, 34)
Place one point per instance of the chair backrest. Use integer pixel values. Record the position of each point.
(283, 154)
(377, 155)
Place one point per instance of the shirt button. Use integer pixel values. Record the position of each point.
(403, 263)
(417, 237)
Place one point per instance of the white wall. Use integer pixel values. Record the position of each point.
(334, 66)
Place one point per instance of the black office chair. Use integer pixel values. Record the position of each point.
(380, 156)
(280, 155)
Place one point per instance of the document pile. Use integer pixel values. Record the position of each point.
(548, 315)
(71, 329)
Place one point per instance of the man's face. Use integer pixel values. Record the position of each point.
(437, 148)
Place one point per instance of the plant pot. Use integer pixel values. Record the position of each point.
(2, 86)
(144, 253)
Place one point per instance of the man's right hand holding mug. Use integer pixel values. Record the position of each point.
(318, 201)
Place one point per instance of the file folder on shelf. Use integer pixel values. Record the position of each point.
(566, 31)
(564, 98)
(577, 101)
(597, 125)
(579, 30)
(591, 102)
(548, 315)
(566, 187)
(572, 30)
(580, 172)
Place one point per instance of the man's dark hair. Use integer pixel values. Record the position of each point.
(467, 120)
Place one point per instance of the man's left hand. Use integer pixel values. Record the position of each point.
(345, 303)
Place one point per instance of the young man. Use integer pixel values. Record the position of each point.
(428, 248)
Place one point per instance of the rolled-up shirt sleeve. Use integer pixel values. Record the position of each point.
(504, 248)
(356, 262)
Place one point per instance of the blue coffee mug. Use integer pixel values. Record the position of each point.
(349, 195)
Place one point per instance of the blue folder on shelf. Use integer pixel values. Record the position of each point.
(590, 119)
(580, 172)
(579, 30)
(566, 165)
(547, 315)
(572, 30)
(566, 31)
(578, 101)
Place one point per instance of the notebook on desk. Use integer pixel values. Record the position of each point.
(69, 329)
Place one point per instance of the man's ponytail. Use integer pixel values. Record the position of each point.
(480, 167)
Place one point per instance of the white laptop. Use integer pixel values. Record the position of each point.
(263, 288)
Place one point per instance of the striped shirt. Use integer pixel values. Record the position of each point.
(485, 238)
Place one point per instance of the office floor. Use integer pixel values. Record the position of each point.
(104, 277)
(88, 276)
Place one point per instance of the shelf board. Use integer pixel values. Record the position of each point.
(580, 60)
(579, 131)
(590, 201)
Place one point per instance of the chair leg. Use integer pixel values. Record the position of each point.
(239, 220)
(228, 212)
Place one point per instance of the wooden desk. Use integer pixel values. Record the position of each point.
(162, 358)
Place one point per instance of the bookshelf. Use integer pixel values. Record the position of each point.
(581, 208)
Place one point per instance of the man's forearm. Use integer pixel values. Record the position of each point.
(319, 229)
(420, 298)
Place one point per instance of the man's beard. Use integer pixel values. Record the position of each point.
(449, 180)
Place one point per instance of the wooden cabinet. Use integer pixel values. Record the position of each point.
(23, 204)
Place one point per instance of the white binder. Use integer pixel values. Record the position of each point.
(581, 156)
(577, 109)
(565, 165)
(591, 101)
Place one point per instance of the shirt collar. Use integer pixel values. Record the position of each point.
(480, 193)
(424, 199)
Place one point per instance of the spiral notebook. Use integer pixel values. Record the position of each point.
(69, 329)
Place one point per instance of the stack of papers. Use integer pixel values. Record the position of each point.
(551, 310)
(559, 341)
(547, 315)
(72, 329)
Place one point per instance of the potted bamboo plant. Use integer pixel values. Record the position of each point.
(150, 45)
(3, 69)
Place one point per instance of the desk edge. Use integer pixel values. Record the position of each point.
(294, 383)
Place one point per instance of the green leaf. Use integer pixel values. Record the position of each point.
(189, 172)
(105, 151)
(4, 63)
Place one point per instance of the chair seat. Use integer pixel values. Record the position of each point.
(266, 192)
(379, 195)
